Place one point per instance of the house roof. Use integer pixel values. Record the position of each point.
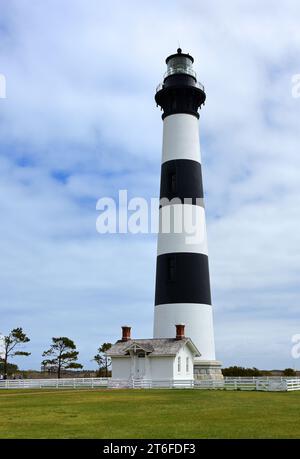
(153, 347)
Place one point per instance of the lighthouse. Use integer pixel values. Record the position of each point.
(182, 291)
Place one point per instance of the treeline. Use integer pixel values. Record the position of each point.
(241, 371)
(62, 354)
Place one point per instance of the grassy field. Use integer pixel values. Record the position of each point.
(148, 414)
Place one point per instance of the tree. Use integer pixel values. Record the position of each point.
(64, 355)
(102, 360)
(289, 372)
(10, 345)
(11, 367)
(241, 371)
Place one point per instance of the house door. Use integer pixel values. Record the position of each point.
(140, 366)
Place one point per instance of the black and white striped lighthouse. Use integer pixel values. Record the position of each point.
(182, 293)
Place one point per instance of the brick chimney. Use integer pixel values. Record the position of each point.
(180, 331)
(126, 333)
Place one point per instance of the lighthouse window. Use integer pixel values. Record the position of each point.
(187, 365)
(179, 364)
(172, 181)
(172, 269)
(180, 64)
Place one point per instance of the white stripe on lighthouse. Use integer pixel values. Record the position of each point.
(181, 138)
(198, 322)
(187, 229)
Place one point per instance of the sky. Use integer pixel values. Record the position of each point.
(79, 122)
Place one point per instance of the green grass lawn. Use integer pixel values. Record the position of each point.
(148, 414)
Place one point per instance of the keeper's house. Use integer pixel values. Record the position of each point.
(154, 359)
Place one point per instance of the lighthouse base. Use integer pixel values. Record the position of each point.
(208, 369)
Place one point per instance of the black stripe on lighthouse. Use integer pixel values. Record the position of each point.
(182, 178)
(182, 278)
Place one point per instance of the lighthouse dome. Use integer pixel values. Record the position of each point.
(180, 63)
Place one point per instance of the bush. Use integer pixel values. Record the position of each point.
(289, 372)
(241, 371)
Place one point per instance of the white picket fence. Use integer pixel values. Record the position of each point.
(271, 383)
(293, 384)
(259, 384)
(73, 383)
(244, 384)
(150, 384)
(228, 383)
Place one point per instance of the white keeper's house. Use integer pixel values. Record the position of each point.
(153, 359)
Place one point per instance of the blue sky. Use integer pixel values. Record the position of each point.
(79, 122)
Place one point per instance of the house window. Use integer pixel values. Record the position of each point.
(179, 364)
(187, 365)
(171, 269)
